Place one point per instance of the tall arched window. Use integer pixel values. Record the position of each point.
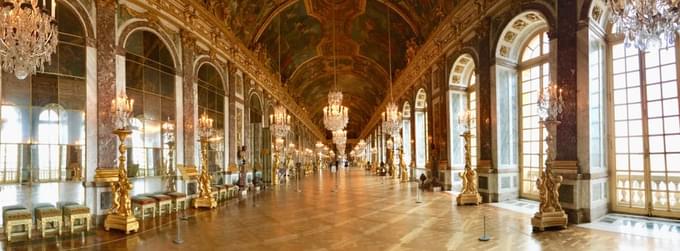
(534, 76)
(211, 102)
(406, 133)
(522, 69)
(52, 99)
(421, 131)
(462, 96)
(645, 119)
(150, 81)
(255, 135)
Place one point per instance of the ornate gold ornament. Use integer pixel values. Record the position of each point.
(550, 212)
(469, 193)
(120, 215)
(205, 198)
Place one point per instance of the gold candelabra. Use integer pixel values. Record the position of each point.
(550, 212)
(469, 193)
(120, 215)
(205, 197)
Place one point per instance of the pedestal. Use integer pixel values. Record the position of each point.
(126, 224)
(469, 199)
(205, 202)
(543, 220)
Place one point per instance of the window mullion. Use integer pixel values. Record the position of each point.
(645, 131)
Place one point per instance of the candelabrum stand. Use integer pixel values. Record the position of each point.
(172, 175)
(550, 212)
(469, 193)
(120, 215)
(205, 198)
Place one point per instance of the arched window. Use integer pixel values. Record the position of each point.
(462, 96)
(523, 56)
(255, 135)
(406, 133)
(211, 102)
(645, 119)
(534, 76)
(150, 81)
(43, 117)
(421, 131)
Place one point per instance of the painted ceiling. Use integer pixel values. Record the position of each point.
(361, 41)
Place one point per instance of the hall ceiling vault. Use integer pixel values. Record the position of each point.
(306, 28)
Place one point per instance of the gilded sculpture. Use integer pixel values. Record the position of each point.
(469, 193)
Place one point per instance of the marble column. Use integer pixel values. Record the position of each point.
(572, 196)
(188, 101)
(106, 81)
(488, 178)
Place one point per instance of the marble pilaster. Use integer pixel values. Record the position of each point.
(188, 97)
(106, 81)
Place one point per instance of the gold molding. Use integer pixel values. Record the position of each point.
(208, 28)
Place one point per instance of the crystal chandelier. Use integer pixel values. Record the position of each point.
(335, 115)
(340, 137)
(205, 126)
(28, 37)
(391, 119)
(645, 23)
(550, 103)
(391, 116)
(121, 111)
(280, 121)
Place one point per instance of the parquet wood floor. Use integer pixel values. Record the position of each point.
(367, 213)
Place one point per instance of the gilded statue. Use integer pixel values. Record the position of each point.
(469, 193)
(402, 166)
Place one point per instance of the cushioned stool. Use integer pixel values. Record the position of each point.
(17, 216)
(214, 192)
(163, 202)
(232, 191)
(178, 198)
(76, 216)
(48, 219)
(221, 192)
(143, 204)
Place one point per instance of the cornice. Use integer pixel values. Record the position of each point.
(194, 18)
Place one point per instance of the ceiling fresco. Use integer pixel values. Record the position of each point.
(302, 33)
(306, 28)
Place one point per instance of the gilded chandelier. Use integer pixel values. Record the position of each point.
(28, 37)
(280, 121)
(645, 23)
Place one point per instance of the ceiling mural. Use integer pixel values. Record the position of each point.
(301, 34)
(307, 44)
(370, 32)
(243, 15)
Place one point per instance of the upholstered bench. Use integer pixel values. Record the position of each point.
(178, 198)
(215, 193)
(221, 192)
(163, 202)
(19, 217)
(144, 204)
(232, 191)
(48, 219)
(76, 216)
